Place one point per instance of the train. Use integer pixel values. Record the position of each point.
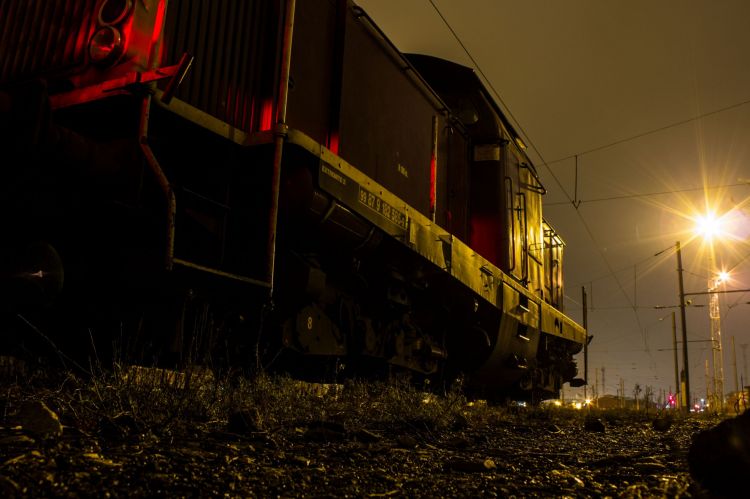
(270, 182)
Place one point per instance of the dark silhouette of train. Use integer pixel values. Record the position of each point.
(270, 181)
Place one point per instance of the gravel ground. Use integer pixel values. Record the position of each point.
(308, 444)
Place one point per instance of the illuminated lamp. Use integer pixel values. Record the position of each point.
(106, 45)
(708, 226)
(114, 11)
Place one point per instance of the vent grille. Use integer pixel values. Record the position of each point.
(234, 45)
(43, 37)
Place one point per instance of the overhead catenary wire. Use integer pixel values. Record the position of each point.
(650, 132)
(647, 194)
(585, 225)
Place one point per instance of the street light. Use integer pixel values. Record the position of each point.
(710, 226)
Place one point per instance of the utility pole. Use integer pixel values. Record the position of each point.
(708, 386)
(596, 387)
(734, 365)
(685, 361)
(604, 385)
(676, 373)
(585, 343)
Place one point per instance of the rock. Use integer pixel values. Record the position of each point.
(460, 422)
(300, 461)
(39, 420)
(406, 442)
(329, 425)
(649, 466)
(553, 428)
(242, 423)
(17, 440)
(471, 465)
(325, 431)
(8, 487)
(719, 458)
(366, 436)
(593, 424)
(662, 423)
(119, 427)
(458, 442)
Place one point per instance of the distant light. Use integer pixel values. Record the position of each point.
(723, 276)
(557, 403)
(708, 225)
(588, 401)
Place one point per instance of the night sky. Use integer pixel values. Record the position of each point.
(651, 101)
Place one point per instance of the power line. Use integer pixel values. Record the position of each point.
(533, 146)
(622, 269)
(648, 194)
(649, 132)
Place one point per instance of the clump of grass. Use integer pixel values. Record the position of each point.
(279, 400)
(398, 403)
(157, 399)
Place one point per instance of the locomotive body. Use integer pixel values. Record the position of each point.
(201, 160)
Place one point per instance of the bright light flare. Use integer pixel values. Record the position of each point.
(708, 226)
(723, 276)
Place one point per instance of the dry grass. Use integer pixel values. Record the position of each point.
(164, 400)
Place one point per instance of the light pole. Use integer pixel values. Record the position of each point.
(716, 350)
(709, 226)
(676, 367)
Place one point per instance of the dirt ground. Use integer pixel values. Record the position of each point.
(120, 436)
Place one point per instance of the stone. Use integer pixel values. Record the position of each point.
(471, 465)
(662, 424)
(242, 423)
(719, 458)
(39, 420)
(366, 436)
(119, 427)
(324, 433)
(458, 442)
(593, 424)
(406, 442)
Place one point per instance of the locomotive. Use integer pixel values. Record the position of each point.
(272, 181)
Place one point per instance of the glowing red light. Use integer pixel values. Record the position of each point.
(158, 25)
(333, 142)
(266, 115)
